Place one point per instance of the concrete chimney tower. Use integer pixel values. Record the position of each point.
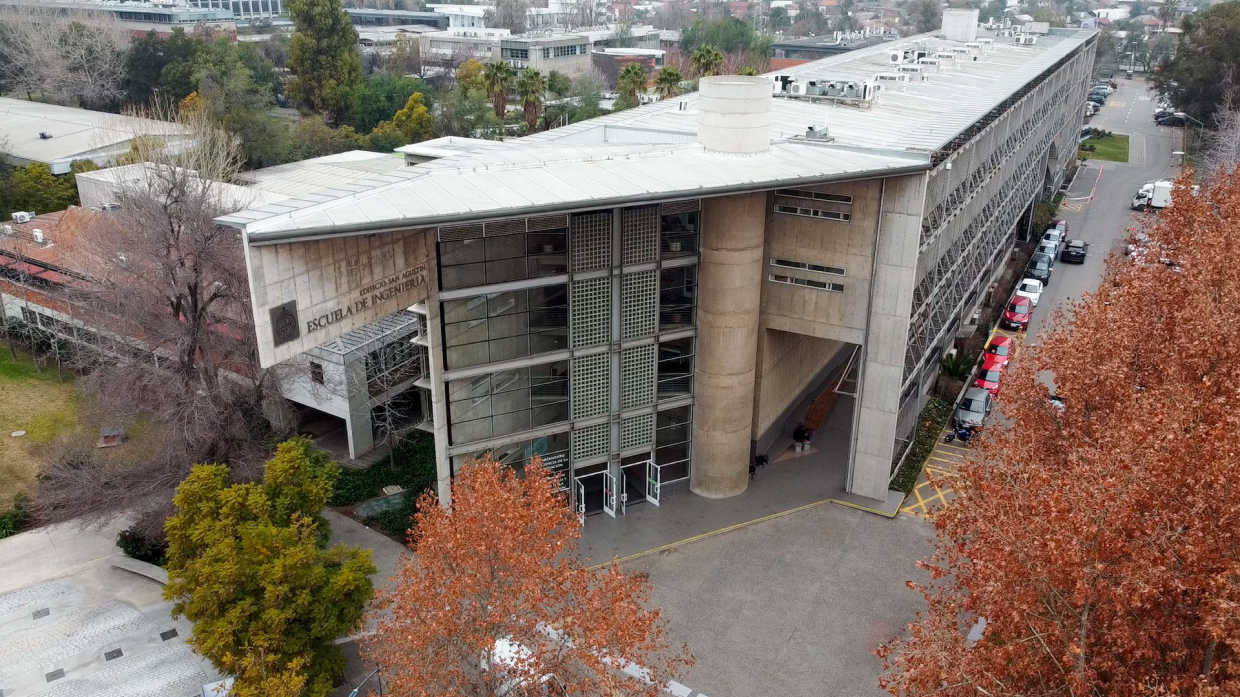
(960, 25)
(734, 114)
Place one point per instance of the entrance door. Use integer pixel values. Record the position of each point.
(609, 494)
(591, 493)
(652, 483)
(633, 478)
(580, 491)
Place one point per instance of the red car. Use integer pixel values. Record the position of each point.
(999, 350)
(988, 376)
(1016, 316)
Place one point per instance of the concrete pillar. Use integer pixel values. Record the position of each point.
(358, 428)
(729, 297)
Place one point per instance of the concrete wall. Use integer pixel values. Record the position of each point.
(849, 245)
(788, 365)
(333, 286)
(882, 367)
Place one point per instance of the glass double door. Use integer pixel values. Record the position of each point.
(598, 490)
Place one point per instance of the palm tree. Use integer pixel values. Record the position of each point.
(632, 79)
(1167, 12)
(497, 77)
(706, 61)
(531, 87)
(667, 82)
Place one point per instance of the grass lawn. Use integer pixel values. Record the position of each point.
(34, 402)
(1113, 148)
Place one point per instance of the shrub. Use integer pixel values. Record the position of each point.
(929, 425)
(15, 518)
(411, 465)
(137, 546)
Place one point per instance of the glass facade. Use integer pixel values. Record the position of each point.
(505, 326)
(631, 279)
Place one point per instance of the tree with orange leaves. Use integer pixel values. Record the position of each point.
(496, 601)
(1099, 540)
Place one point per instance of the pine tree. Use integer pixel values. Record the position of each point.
(323, 58)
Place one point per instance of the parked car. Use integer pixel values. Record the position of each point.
(1056, 236)
(999, 349)
(1039, 267)
(973, 408)
(1075, 251)
(988, 377)
(1030, 288)
(1060, 225)
(1050, 249)
(1176, 120)
(1096, 99)
(1090, 109)
(1016, 314)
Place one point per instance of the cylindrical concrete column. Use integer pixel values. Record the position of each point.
(734, 114)
(729, 295)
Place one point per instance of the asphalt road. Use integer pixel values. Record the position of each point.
(1097, 206)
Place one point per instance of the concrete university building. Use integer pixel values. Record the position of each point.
(642, 299)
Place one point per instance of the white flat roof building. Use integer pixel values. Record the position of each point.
(58, 135)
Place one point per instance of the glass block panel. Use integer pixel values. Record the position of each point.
(639, 300)
(591, 312)
(591, 241)
(636, 431)
(637, 368)
(591, 385)
(591, 441)
(640, 234)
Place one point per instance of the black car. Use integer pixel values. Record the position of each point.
(1173, 120)
(1096, 99)
(1039, 267)
(1075, 251)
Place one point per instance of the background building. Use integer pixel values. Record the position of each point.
(644, 299)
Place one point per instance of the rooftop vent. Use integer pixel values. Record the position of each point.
(815, 133)
(44, 135)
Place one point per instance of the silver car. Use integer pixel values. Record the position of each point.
(973, 408)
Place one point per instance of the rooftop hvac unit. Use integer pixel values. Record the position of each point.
(22, 216)
(986, 43)
(6, 230)
(796, 88)
(1026, 40)
(895, 57)
(37, 234)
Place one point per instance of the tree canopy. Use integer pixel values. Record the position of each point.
(503, 563)
(1095, 537)
(323, 58)
(728, 34)
(1205, 70)
(247, 566)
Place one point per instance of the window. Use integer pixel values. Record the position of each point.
(679, 235)
(504, 326)
(672, 440)
(677, 297)
(520, 53)
(812, 213)
(316, 372)
(807, 282)
(553, 450)
(561, 51)
(818, 268)
(477, 262)
(815, 195)
(506, 402)
(397, 361)
(675, 368)
(546, 53)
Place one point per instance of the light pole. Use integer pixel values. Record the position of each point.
(357, 690)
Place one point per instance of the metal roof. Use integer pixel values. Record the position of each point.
(527, 179)
(76, 134)
(373, 335)
(650, 152)
(307, 176)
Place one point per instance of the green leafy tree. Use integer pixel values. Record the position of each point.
(469, 76)
(379, 97)
(231, 98)
(312, 137)
(706, 61)
(992, 11)
(587, 91)
(497, 78)
(748, 70)
(727, 34)
(667, 81)
(35, 188)
(323, 58)
(385, 137)
(147, 58)
(559, 84)
(779, 19)
(1196, 79)
(247, 565)
(531, 87)
(414, 120)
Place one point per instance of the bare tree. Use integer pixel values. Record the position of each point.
(1222, 152)
(65, 56)
(176, 346)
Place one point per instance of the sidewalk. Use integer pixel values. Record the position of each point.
(787, 484)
